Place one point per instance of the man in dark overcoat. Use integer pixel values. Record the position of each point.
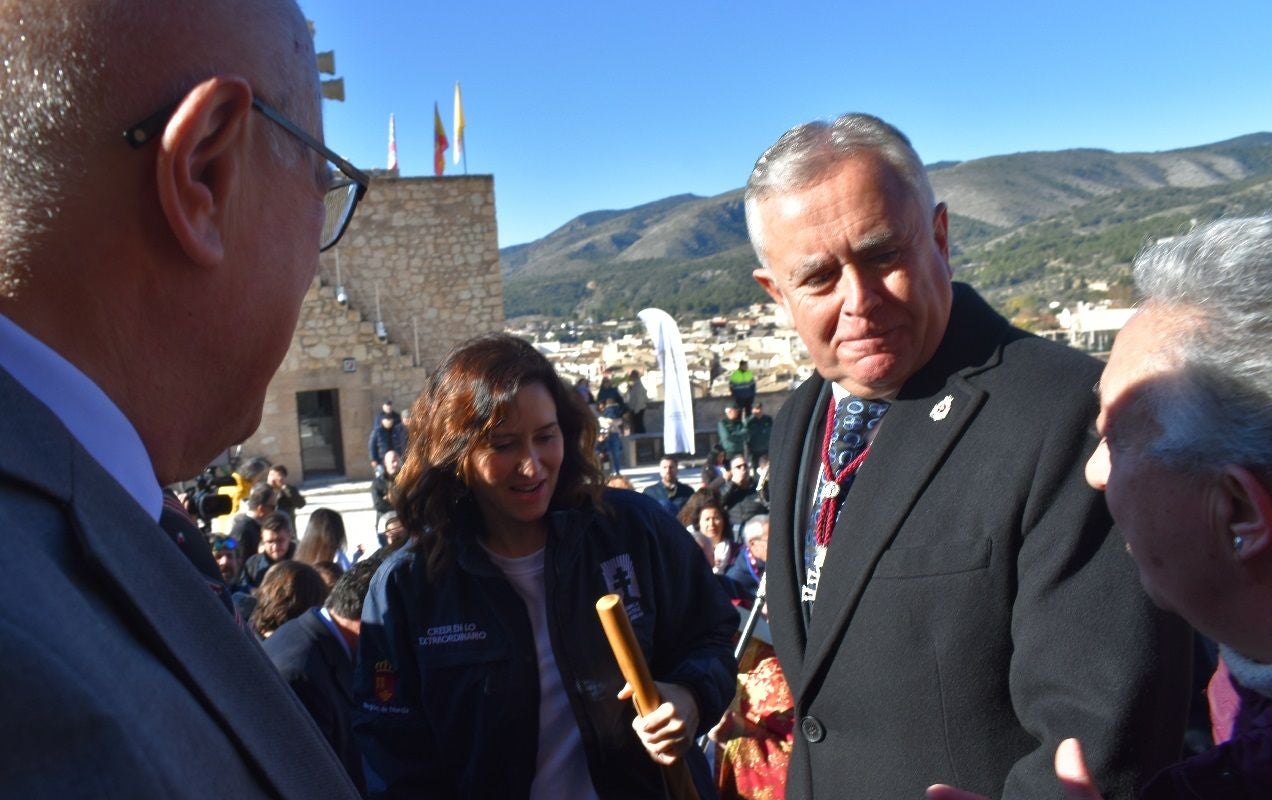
(946, 598)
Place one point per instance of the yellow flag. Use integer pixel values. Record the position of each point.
(458, 127)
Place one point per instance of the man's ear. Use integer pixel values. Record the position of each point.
(768, 282)
(941, 231)
(200, 159)
(1249, 510)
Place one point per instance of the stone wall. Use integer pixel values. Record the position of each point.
(430, 247)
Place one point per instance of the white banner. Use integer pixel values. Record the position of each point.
(677, 398)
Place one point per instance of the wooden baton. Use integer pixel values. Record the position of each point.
(631, 662)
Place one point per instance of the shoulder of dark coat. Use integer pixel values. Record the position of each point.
(398, 562)
(637, 511)
(1047, 369)
(296, 648)
(621, 501)
(294, 634)
(982, 346)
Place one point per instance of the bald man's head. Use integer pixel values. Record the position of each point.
(106, 242)
(77, 72)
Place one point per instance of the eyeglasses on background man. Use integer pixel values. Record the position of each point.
(348, 183)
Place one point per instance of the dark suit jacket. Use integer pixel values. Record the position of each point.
(671, 501)
(121, 674)
(314, 664)
(974, 608)
(742, 580)
(742, 503)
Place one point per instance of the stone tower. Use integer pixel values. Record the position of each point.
(430, 248)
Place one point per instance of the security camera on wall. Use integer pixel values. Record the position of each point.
(381, 332)
(342, 297)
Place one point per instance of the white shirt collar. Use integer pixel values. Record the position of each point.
(1251, 674)
(839, 393)
(91, 417)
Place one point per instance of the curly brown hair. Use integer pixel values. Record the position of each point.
(470, 394)
(699, 500)
(289, 589)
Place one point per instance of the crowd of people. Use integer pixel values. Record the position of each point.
(263, 536)
(936, 598)
(620, 412)
(745, 432)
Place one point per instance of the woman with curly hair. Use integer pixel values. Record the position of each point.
(706, 518)
(289, 589)
(483, 668)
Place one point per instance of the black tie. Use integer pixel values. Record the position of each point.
(185, 534)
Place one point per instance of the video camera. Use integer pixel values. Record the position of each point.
(204, 502)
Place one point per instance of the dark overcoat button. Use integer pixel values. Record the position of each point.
(812, 729)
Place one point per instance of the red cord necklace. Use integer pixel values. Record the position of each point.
(832, 486)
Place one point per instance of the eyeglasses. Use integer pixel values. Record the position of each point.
(348, 184)
(223, 544)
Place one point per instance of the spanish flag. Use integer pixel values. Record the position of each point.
(458, 127)
(439, 143)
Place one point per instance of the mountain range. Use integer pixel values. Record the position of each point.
(1027, 229)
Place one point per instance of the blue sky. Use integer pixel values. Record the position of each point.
(581, 106)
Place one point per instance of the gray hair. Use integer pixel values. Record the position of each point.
(755, 527)
(1217, 408)
(46, 74)
(807, 152)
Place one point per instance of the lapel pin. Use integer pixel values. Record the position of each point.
(942, 409)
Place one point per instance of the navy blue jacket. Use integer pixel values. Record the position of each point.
(383, 439)
(313, 662)
(671, 502)
(742, 579)
(448, 688)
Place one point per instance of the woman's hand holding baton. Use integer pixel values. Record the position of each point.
(665, 728)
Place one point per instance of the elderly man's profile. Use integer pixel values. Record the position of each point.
(159, 157)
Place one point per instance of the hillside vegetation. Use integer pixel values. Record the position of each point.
(1026, 229)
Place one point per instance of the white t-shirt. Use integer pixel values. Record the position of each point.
(561, 767)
